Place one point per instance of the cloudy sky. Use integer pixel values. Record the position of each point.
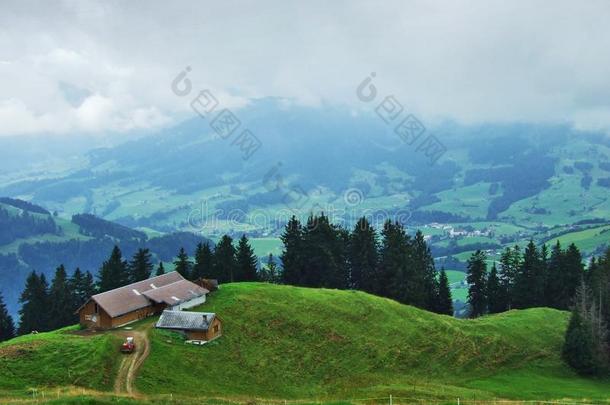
(93, 67)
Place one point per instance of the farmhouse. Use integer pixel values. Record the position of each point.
(139, 300)
(194, 325)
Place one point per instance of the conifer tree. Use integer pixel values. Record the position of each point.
(444, 300)
(477, 280)
(140, 266)
(183, 264)
(114, 272)
(578, 346)
(421, 284)
(527, 286)
(7, 326)
(160, 270)
(246, 261)
(224, 260)
(495, 302)
(598, 281)
(74, 284)
(363, 256)
(510, 262)
(34, 312)
(554, 279)
(292, 255)
(393, 262)
(61, 300)
(88, 288)
(585, 347)
(324, 257)
(270, 272)
(572, 275)
(204, 261)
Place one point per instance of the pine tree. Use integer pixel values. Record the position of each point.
(393, 261)
(510, 262)
(224, 260)
(74, 284)
(114, 272)
(527, 287)
(421, 284)
(572, 274)
(88, 288)
(7, 326)
(585, 347)
(578, 346)
(554, 280)
(444, 300)
(140, 266)
(292, 255)
(477, 280)
(61, 301)
(598, 281)
(34, 312)
(316, 254)
(270, 272)
(204, 260)
(363, 256)
(495, 302)
(246, 261)
(160, 270)
(183, 264)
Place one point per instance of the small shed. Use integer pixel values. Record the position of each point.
(204, 326)
(210, 284)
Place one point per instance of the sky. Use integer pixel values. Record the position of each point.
(89, 68)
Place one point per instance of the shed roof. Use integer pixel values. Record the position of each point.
(184, 320)
(133, 296)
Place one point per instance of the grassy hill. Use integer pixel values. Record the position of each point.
(293, 343)
(297, 343)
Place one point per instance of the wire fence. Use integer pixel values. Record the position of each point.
(35, 395)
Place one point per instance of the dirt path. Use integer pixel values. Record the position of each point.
(124, 382)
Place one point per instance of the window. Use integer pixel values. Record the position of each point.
(96, 309)
(216, 328)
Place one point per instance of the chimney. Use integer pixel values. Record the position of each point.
(205, 318)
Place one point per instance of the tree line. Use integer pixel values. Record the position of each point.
(537, 278)
(587, 341)
(528, 279)
(47, 307)
(390, 264)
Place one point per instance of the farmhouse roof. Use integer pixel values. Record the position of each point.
(184, 320)
(132, 297)
(175, 293)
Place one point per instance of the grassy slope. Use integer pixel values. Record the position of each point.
(587, 240)
(58, 358)
(288, 342)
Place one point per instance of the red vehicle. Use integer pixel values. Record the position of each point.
(128, 345)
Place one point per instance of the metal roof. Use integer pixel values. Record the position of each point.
(184, 320)
(133, 296)
(175, 293)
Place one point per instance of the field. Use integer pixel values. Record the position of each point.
(587, 241)
(296, 344)
(57, 359)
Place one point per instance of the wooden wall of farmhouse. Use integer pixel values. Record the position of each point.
(102, 320)
(133, 316)
(89, 319)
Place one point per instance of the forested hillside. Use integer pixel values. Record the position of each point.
(31, 238)
(496, 185)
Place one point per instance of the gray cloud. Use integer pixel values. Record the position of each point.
(543, 61)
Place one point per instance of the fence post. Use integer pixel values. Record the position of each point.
(390, 399)
(458, 402)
